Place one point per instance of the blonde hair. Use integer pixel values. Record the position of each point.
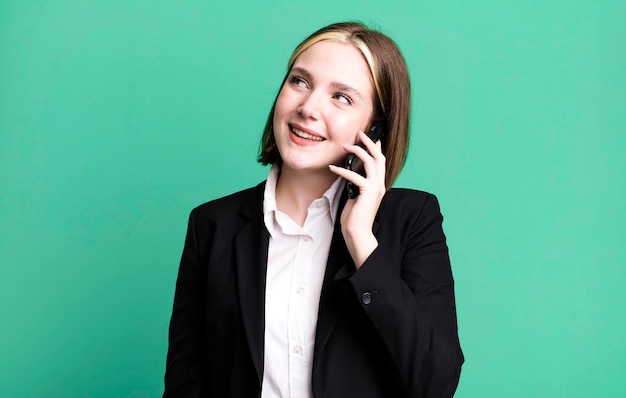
(341, 36)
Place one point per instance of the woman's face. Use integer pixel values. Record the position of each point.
(326, 99)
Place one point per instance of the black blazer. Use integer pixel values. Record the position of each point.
(388, 330)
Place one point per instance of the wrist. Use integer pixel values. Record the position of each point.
(360, 244)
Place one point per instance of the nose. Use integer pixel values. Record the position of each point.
(311, 106)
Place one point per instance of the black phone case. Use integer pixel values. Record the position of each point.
(353, 162)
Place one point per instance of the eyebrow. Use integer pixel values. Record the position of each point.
(338, 85)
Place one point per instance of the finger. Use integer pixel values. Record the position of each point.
(374, 152)
(374, 162)
(357, 150)
(349, 175)
(374, 148)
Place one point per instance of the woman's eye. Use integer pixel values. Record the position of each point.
(343, 98)
(298, 81)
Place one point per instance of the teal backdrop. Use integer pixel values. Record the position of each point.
(118, 117)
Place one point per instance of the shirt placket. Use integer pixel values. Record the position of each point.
(299, 329)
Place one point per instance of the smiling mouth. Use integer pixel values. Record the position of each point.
(305, 135)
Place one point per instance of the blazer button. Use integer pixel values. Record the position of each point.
(366, 298)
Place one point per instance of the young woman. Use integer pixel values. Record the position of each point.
(290, 288)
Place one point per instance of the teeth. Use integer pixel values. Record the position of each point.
(306, 135)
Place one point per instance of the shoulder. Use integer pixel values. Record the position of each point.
(401, 206)
(410, 216)
(409, 199)
(230, 205)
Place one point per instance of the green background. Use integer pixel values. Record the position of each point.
(118, 117)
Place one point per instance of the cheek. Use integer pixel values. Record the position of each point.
(280, 109)
(285, 101)
(347, 128)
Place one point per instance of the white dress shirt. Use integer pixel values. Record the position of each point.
(296, 263)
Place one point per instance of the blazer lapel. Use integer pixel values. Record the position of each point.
(328, 314)
(251, 243)
(338, 258)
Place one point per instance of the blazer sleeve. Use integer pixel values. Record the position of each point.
(185, 367)
(406, 289)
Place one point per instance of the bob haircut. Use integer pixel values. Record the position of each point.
(391, 83)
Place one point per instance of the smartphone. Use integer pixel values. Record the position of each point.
(353, 162)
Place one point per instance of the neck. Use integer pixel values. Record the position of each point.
(296, 190)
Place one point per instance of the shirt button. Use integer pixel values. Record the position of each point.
(297, 349)
(307, 238)
(300, 290)
(366, 298)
